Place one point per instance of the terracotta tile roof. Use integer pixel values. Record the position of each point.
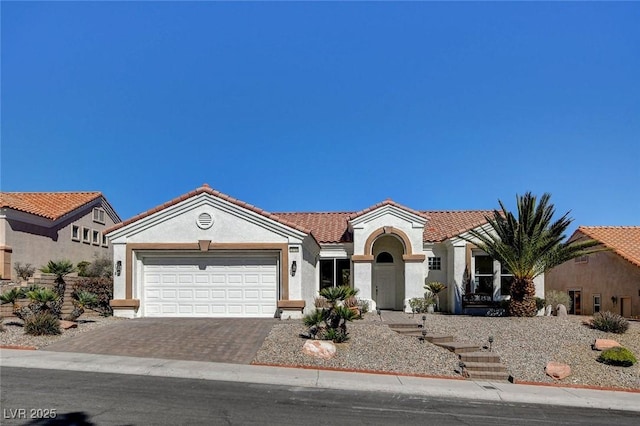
(207, 189)
(387, 202)
(624, 240)
(328, 227)
(50, 205)
(447, 224)
(331, 227)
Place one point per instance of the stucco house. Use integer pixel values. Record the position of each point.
(208, 254)
(603, 281)
(36, 227)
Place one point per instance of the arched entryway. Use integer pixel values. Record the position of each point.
(388, 272)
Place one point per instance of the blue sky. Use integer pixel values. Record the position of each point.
(326, 106)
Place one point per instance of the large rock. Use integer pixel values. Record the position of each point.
(319, 348)
(548, 311)
(603, 344)
(557, 370)
(68, 324)
(561, 311)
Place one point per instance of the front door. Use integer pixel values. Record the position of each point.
(576, 308)
(385, 286)
(625, 306)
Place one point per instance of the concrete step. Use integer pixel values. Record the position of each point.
(485, 366)
(403, 326)
(459, 347)
(406, 330)
(488, 375)
(480, 357)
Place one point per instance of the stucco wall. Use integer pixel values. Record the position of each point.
(606, 274)
(37, 244)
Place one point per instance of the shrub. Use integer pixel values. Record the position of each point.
(420, 305)
(540, 303)
(102, 287)
(617, 356)
(363, 305)
(334, 334)
(42, 324)
(609, 322)
(555, 298)
(24, 272)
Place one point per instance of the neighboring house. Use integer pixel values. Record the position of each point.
(36, 227)
(208, 254)
(603, 281)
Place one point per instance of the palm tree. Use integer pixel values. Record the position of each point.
(529, 245)
(60, 269)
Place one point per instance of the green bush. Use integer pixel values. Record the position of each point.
(555, 298)
(540, 303)
(420, 305)
(334, 334)
(24, 272)
(363, 305)
(609, 322)
(43, 323)
(618, 356)
(102, 287)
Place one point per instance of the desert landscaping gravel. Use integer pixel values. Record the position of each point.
(525, 345)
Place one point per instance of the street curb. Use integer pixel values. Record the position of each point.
(427, 376)
(19, 347)
(352, 370)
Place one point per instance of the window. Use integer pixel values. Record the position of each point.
(483, 277)
(334, 272)
(86, 235)
(98, 215)
(105, 241)
(75, 232)
(435, 263)
(384, 257)
(506, 279)
(596, 303)
(95, 237)
(582, 259)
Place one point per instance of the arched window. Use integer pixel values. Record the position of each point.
(384, 257)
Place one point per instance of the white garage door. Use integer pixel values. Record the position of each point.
(210, 287)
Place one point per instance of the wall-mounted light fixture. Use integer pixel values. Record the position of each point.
(614, 299)
(294, 268)
(118, 267)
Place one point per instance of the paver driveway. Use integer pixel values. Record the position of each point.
(195, 339)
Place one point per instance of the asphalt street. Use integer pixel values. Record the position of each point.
(87, 398)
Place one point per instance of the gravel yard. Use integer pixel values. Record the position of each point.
(525, 345)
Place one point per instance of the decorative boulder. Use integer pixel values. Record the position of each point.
(319, 348)
(603, 344)
(548, 311)
(557, 370)
(561, 311)
(68, 324)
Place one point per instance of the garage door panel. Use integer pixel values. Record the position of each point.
(214, 287)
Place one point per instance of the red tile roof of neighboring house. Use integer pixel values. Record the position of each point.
(207, 189)
(50, 205)
(624, 240)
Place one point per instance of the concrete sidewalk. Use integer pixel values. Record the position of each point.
(415, 386)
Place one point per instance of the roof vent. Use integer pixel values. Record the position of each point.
(204, 221)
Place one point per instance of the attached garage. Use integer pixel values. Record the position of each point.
(210, 286)
(205, 254)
